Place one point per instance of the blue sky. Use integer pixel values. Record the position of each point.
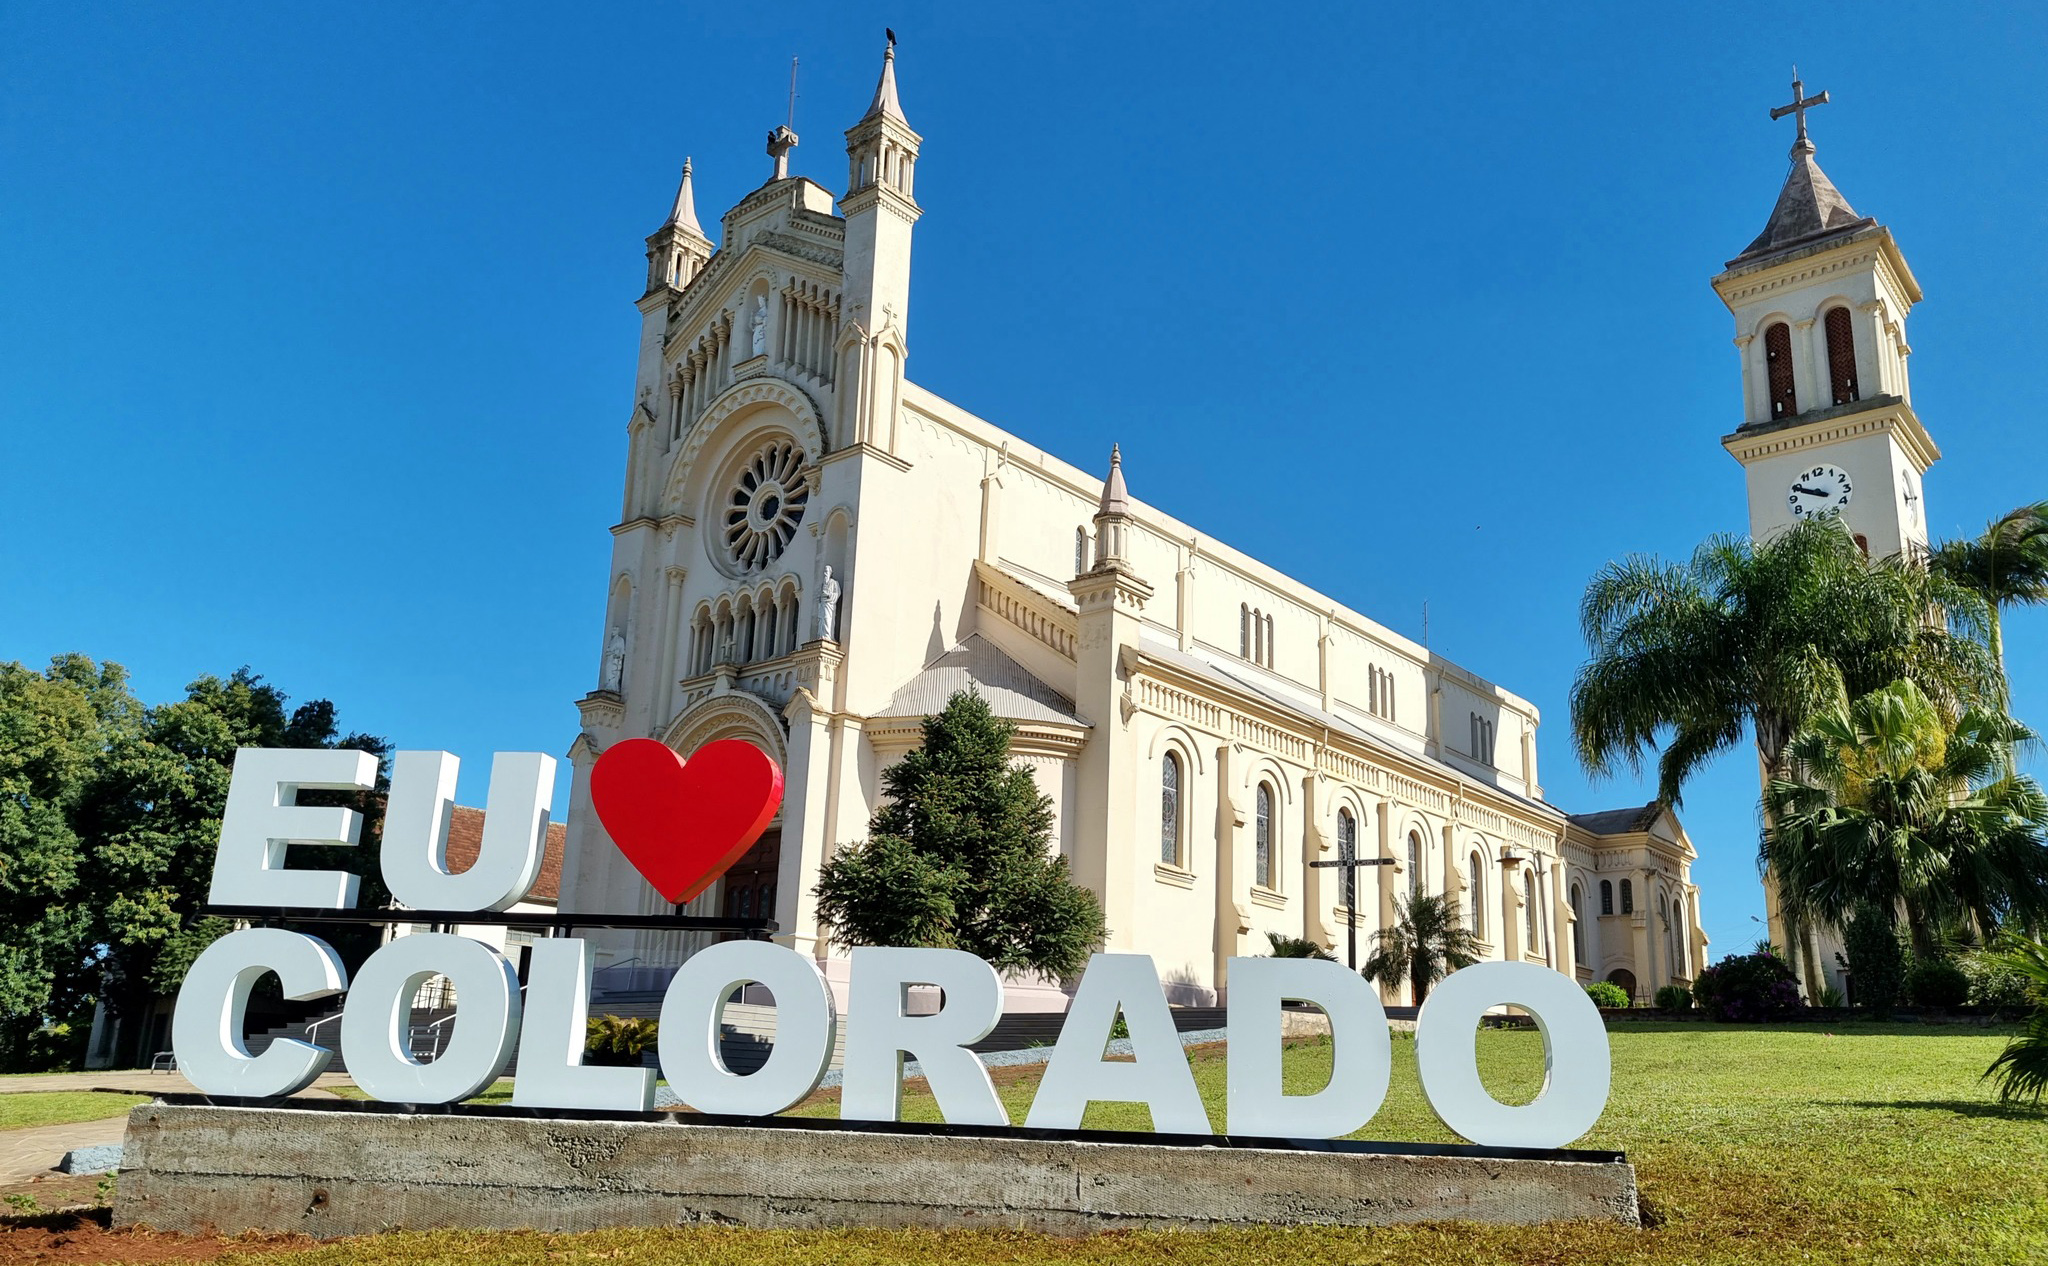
(319, 334)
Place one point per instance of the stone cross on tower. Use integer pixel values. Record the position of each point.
(1801, 103)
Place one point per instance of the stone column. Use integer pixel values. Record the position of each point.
(1231, 922)
(805, 844)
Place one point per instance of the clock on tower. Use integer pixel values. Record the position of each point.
(1820, 301)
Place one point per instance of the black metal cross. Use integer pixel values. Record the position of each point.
(1350, 866)
(1801, 103)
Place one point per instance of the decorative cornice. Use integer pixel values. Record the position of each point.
(892, 736)
(666, 522)
(602, 710)
(1884, 415)
(864, 449)
(1262, 724)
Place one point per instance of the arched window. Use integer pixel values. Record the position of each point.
(1262, 839)
(1268, 660)
(1578, 925)
(1673, 940)
(1529, 938)
(1414, 863)
(1778, 361)
(1347, 850)
(1244, 630)
(1080, 550)
(1169, 810)
(1606, 896)
(1475, 918)
(1842, 356)
(1628, 897)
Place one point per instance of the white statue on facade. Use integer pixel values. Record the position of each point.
(758, 326)
(614, 674)
(828, 606)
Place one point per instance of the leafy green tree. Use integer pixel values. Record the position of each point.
(1757, 638)
(1297, 947)
(2007, 566)
(1889, 806)
(56, 727)
(961, 856)
(2022, 1068)
(1429, 941)
(151, 819)
(109, 820)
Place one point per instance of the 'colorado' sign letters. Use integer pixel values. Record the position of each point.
(682, 825)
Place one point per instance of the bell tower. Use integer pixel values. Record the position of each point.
(881, 155)
(1820, 301)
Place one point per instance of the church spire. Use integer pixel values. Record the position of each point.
(885, 103)
(1809, 206)
(678, 250)
(684, 214)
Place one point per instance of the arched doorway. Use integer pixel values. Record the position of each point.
(1625, 978)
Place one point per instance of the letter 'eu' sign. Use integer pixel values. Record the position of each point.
(682, 824)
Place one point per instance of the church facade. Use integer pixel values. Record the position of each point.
(814, 553)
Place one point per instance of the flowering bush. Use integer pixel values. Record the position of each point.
(1746, 987)
(1605, 993)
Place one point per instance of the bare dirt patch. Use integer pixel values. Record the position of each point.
(87, 1237)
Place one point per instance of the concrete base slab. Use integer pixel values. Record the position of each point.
(328, 1173)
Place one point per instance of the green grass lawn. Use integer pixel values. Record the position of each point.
(1852, 1143)
(25, 1108)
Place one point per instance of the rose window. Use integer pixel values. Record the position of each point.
(766, 505)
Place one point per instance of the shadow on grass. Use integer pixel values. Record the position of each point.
(1960, 1107)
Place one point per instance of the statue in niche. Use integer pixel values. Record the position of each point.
(758, 325)
(828, 607)
(614, 674)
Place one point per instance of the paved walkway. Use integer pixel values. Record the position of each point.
(136, 1081)
(25, 1154)
(28, 1153)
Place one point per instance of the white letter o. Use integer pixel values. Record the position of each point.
(1576, 1070)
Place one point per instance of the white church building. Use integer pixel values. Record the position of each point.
(813, 553)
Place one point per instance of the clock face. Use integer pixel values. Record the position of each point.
(1909, 490)
(1819, 490)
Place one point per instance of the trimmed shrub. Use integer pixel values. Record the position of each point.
(1747, 987)
(1674, 998)
(1605, 993)
(1937, 982)
(1994, 982)
(1876, 963)
(618, 1041)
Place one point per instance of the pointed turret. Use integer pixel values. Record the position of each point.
(885, 103)
(684, 214)
(678, 250)
(1113, 515)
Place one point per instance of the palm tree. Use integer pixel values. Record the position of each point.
(2022, 1068)
(1887, 804)
(1760, 637)
(1297, 947)
(2005, 567)
(1428, 942)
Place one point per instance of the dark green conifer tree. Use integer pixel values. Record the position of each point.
(961, 856)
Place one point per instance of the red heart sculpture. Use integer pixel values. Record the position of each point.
(683, 823)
